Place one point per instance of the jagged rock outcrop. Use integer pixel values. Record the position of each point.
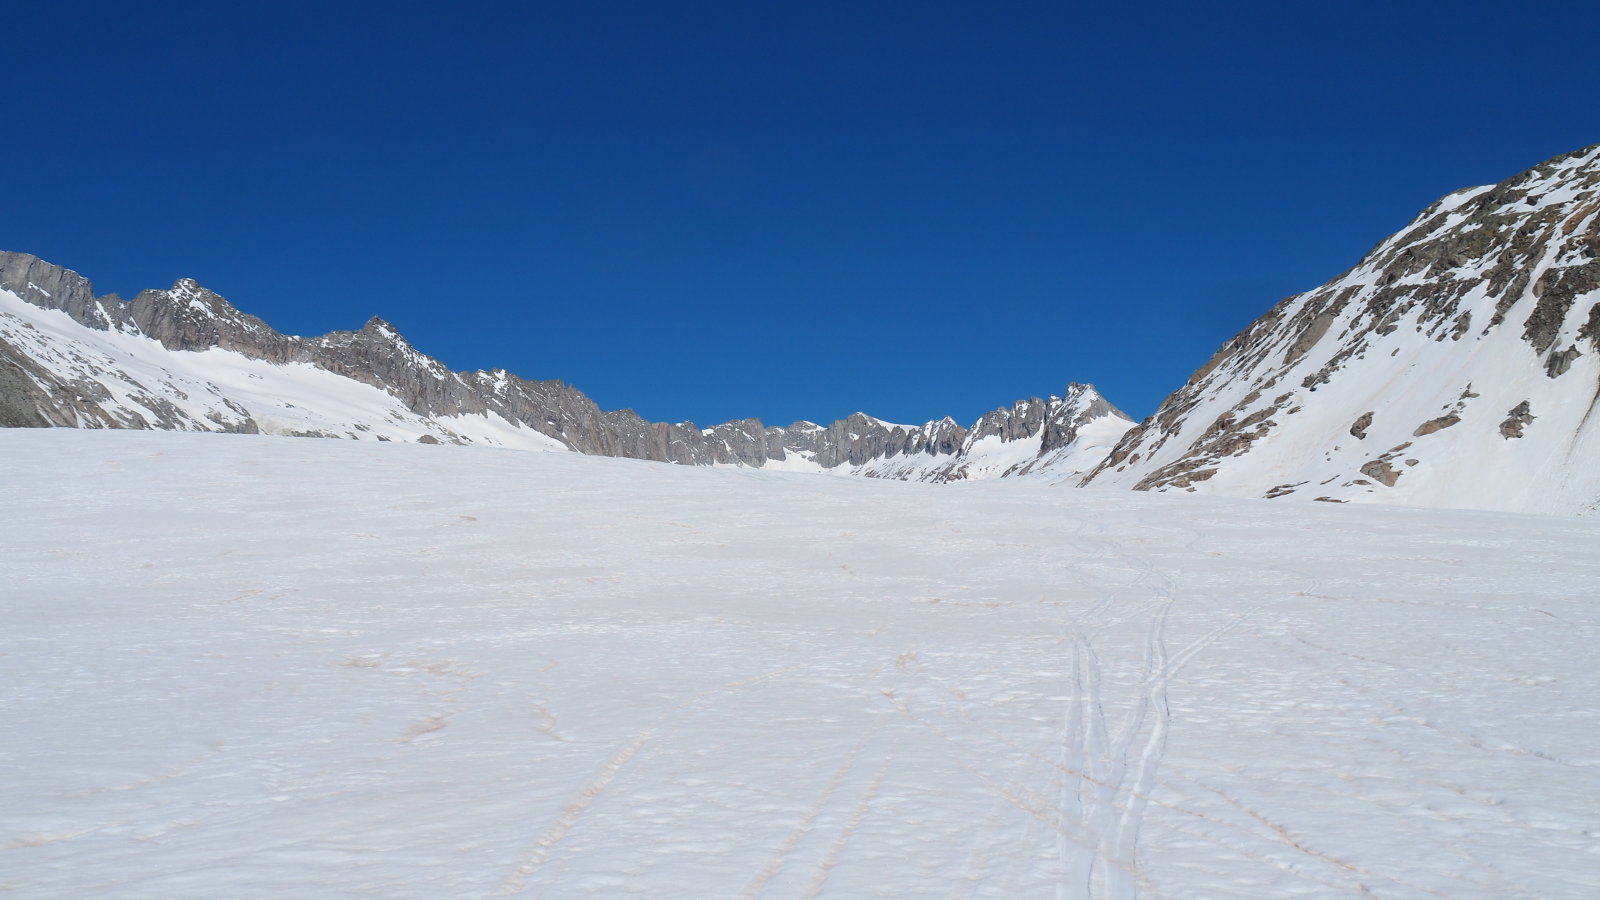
(1516, 420)
(1062, 436)
(52, 287)
(113, 376)
(1488, 301)
(859, 439)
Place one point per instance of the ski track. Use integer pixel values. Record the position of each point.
(1097, 837)
(835, 852)
(802, 828)
(517, 881)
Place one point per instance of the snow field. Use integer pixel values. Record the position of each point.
(250, 666)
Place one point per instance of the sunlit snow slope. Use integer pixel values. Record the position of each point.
(246, 666)
(1457, 365)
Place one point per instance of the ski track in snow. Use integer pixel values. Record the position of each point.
(858, 814)
(253, 667)
(517, 881)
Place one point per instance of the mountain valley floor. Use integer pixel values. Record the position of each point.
(248, 666)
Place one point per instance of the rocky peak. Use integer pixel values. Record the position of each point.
(1055, 420)
(188, 316)
(380, 338)
(1021, 420)
(380, 329)
(1066, 416)
(49, 286)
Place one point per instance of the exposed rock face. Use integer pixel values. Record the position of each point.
(1432, 425)
(50, 381)
(189, 317)
(32, 396)
(52, 287)
(1491, 293)
(1382, 472)
(1516, 420)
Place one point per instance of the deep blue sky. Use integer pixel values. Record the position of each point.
(779, 209)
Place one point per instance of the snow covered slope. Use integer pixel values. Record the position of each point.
(245, 666)
(1457, 365)
(186, 359)
(121, 378)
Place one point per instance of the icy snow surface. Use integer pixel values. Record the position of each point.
(243, 666)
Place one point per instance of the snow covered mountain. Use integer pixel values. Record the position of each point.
(1457, 365)
(185, 359)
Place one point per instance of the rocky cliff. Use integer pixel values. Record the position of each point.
(1457, 364)
(185, 358)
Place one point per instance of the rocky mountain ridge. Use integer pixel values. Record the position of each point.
(103, 373)
(1457, 364)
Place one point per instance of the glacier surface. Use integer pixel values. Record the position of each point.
(250, 666)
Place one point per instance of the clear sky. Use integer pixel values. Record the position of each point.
(776, 209)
